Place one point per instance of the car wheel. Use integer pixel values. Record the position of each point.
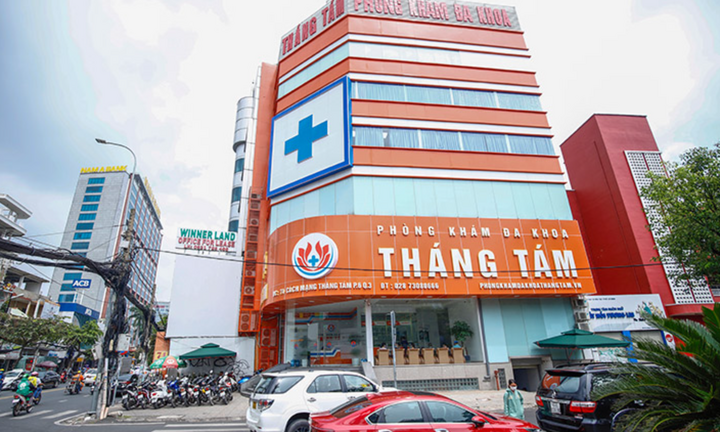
(299, 425)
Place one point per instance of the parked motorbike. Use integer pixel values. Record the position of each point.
(129, 397)
(21, 404)
(159, 396)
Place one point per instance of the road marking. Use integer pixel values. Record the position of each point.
(32, 414)
(62, 400)
(5, 414)
(206, 425)
(60, 414)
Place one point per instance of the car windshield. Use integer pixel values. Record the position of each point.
(12, 374)
(91, 371)
(561, 383)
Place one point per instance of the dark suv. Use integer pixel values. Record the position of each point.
(564, 402)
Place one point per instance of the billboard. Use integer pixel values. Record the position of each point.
(206, 240)
(396, 256)
(617, 313)
(311, 139)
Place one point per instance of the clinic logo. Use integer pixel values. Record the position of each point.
(314, 256)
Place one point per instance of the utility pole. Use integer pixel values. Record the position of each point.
(115, 324)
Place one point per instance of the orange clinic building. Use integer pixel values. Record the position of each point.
(400, 161)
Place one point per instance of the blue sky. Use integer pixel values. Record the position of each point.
(164, 77)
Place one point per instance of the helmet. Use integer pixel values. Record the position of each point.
(34, 374)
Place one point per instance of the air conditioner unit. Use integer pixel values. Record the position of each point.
(255, 196)
(579, 303)
(584, 326)
(581, 317)
(254, 222)
(250, 273)
(249, 290)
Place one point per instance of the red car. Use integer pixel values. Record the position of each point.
(405, 411)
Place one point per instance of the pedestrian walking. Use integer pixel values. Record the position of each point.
(513, 401)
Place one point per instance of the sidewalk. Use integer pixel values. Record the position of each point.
(489, 401)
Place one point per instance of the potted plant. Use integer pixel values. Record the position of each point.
(461, 331)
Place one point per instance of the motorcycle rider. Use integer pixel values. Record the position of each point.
(79, 380)
(36, 382)
(24, 389)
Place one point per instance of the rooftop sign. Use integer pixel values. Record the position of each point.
(206, 240)
(103, 169)
(479, 15)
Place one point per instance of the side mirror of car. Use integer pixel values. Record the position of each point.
(478, 421)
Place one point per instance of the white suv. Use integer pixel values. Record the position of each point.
(283, 401)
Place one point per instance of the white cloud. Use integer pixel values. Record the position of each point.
(671, 152)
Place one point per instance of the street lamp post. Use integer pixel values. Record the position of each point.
(95, 409)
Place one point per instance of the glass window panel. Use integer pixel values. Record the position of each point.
(519, 101)
(93, 189)
(521, 144)
(363, 194)
(72, 276)
(89, 207)
(425, 197)
(312, 204)
(283, 211)
(474, 142)
(406, 412)
(66, 298)
(485, 199)
(475, 98)
(239, 164)
(443, 412)
(84, 226)
(433, 95)
(87, 216)
(368, 136)
(326, 384)
(356, 384)
(297, 208)
(313, 70)
(236, 194)
(82, 236)
(560, 203)
(343, 197)
(541, 201)
(233, 225)
(404, 138)
(327, 200)
(543, 146)
(465, 196)
(96, 180)
(383, 196)
(80, 245)
(496, 143)
(504, 200)
(91, 198)
(404, 197)
(440, 140)
(67, 287)
(445, 196)
(523, 200)
(378, 91)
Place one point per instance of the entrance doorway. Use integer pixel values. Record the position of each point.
(527, 373)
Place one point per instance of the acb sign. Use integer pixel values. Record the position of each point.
(81, 283)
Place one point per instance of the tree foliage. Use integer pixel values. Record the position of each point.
(81, 339)
(682, 391)
(688, 204)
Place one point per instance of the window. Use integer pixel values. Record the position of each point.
(351, 406)
(93, 189)
(277, 384)
(443, 412)
(326, 384)
(357, 384)
(84, 226)
(236, 194)
(407, 412)
(67, 287)
(87, 216)
(72, 276)
(91, 198)
(66, 298)
(239, 164)
(96, 180)
(80, 245)
(82, 236)
(89, 207)
(233, 226)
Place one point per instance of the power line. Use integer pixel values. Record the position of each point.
(400, 270)
(71, 231)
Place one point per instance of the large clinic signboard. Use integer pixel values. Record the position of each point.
(480, 15)
(392, 256)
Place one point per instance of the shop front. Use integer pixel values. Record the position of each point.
(469, 297)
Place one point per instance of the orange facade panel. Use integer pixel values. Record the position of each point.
(430, 112)
(420, 158)
(433, 257)
(416, 70)
(320, 42)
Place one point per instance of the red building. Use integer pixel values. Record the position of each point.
(607, 159)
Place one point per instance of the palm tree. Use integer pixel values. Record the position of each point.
(683, 392)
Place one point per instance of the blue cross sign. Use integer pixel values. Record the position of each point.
(307, 135)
